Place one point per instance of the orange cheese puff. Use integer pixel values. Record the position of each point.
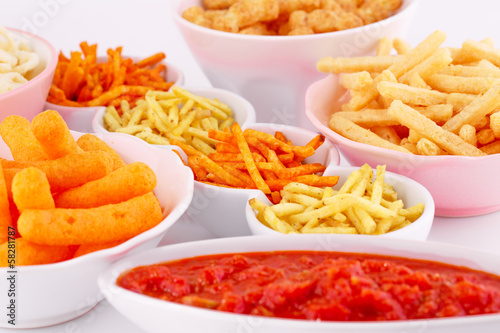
(89, 248)
(5, 218)
(90, 142)
(120, 185)
(53, 134)
(17, 133)
(28, 253)
(8, 164)
(31, 190)
(109, 223)
(75, 169)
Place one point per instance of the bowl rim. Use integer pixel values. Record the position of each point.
(178, 82)
(131, 243)
(332, 149)
(417, 249)
(363, 147)
(50, 67)
(428, 213)
(175, 6)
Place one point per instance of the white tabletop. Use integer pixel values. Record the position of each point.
(144, 27)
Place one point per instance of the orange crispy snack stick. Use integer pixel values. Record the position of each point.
(75, 169)
(28, 253)
(248, 159)
(90, 142)
(103, 224)
(17, 133)
(116, 92)
(5, 217)
(53, 134)
(89, 248)
(31, 190)
(269, 139)
(316, 142)
(149, 61)
(129, 181)
(305, 169)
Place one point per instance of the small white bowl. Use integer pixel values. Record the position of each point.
(80, 118)
(408, 190)
(243, 111)
(273, 72)
(55, 293)
(28, 99)
(221, 210)
(153, 315)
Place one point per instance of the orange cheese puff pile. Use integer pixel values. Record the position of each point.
(84, 82)
(256, 160)
(72, 196)
(289, 17)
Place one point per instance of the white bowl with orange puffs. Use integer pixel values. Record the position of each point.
(364, 201)
(72, 204)
(430, 115)
(259, 158)
(273, 71)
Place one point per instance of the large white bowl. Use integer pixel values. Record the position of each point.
(243, 111)
(460, 185)
(221, 210)
(28, 99)
(154, 315)
(273, 72)
(408, 190)
(80, 118)
(55, 293)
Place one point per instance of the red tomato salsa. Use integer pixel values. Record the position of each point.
(330, 286)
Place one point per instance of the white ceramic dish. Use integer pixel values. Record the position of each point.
(408, 190)
(221, 210)
(273, 72)
(28, 99)
(80, 118)
(154, 315)
(55, 293)
(460, 185)
(243, 111)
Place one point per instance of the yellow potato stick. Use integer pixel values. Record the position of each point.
(384, 46)
(439, 60)
(330, 230)
(361, 184)
(351, 181)
(448, 141)
(378, 185)
(287, 208)
(353, 65)
(276, 223)
(429, 148)
(417, 82)
(356, 81)
(131, 129)
(401, 46)
(383, 226)
(217, 113)
(469, 71)
(137, 115)
(476, 110)
(412, 213)
(479, 50)
(458, 84)
(152, 138)
(468, 134)
(411, 95)
(257, 204)
(31, 190)
(90, 225)
(17, 133)
(202, 146)
(302, 199)
(300, 188)
(328, 192)
(110, 122)
(364, 223)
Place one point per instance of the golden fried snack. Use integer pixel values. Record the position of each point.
(89, 248)
(131, 180)
(28, 253)
(53, 134)
(90, 142)
(17, 133)
(219, 4)
(31, 190)
(5, 217)
(103, 224)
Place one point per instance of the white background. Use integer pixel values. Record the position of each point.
(144, 27)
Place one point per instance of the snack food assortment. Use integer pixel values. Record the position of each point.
(429, 100)
(89, 82)
(17, 59)
(285, 17)
(177, 114)
(256, 160)
(361, 205)
(68, 197)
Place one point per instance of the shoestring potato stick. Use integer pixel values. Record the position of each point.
(449, 97)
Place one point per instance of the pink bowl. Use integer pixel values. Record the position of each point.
(28, 99)
(460, 185)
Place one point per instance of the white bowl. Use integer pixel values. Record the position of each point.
(408, 190)
(55, 293)
(153, 315)
(221, 210)
(28, 99)
(273, 72)
(243, 111)
(80, 118)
